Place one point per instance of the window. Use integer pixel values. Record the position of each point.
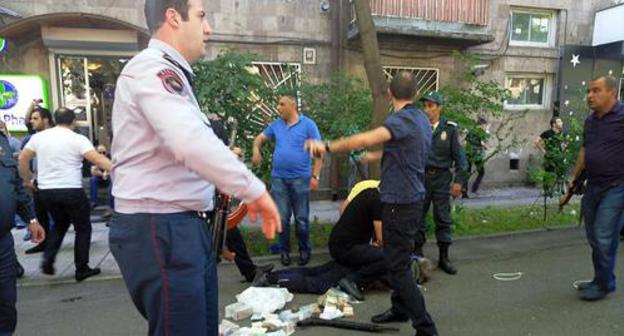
(427, 79)
(526, 91)
(532, 28)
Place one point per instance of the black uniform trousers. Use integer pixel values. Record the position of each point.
(368, 260)
(437, 191)
(8, 280)
(235, 243)
(479, 166)
(42, 214)
(68, 206)
(312, 280)
(399, 230)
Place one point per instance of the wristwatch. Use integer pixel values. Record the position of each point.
(316, 177)
(327, 147)
(33, 221)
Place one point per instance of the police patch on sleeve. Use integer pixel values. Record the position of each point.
(171, 81)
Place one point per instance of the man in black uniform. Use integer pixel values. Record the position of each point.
(445, 153)
(551, 144)
(354, 245)
(13, 198)
(475, 152)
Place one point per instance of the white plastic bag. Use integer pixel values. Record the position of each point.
(265, 300)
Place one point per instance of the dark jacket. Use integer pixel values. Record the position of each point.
(13, 197)
(446, 151)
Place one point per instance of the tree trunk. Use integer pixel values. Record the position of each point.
(374, 71)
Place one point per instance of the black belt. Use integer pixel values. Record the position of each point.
(207, 215)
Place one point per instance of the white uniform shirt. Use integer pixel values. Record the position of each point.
(60, 153)
(166, 158)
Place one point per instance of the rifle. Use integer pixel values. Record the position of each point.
(577, 188)
(222, 206)
(344, 324)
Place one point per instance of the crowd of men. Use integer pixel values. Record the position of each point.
(164, 191)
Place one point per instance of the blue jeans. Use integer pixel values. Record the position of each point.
(8, 278)
(603, 212)
(93, 191)
(292, 196)
(168, 268)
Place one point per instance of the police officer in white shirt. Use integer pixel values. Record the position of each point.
(166, 164)
(60, 152)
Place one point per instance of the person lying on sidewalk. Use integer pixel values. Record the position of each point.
(355, 245)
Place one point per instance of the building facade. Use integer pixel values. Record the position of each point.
(77, 49)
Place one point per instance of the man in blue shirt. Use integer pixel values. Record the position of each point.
(292, 178)
(603, 203)
(406, 139)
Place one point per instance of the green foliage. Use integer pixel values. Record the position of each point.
(474, 98)
(466, 222)
(228, 87)
(561, 151)
(340, 107)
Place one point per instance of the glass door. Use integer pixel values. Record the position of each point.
(87, 84)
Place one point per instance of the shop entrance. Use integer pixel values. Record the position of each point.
(87, 84)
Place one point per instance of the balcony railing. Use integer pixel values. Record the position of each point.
(476, 12)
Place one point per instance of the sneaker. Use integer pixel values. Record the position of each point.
(583, 285)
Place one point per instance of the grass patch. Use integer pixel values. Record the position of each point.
(466, 222)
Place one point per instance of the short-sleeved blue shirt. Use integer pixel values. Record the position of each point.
(604, 147)
(290, 160)
(404, 156)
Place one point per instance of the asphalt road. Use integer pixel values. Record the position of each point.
(541, 303)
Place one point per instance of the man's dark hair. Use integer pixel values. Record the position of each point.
(403, 86)
(610, 82)
(155, 11)
(64, 116)
(553, 121)
(44, 113)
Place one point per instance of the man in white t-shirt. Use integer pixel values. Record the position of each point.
(60, 153)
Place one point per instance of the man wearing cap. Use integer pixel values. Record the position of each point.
(446, 153)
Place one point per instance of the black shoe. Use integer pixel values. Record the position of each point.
(351, 288)
(447, 267)
(259, 277)
(285, 258)
(88, 272)
(47, 268)
(593, 293)
(389, 316)
(304, 258)
(36, 249)
(261, 280)
(443, 262)
(20, 270)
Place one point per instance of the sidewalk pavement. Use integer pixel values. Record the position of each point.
(100, 256)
